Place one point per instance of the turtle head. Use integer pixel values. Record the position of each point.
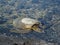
(36, 28)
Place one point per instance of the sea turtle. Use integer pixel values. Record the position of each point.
(25, 25)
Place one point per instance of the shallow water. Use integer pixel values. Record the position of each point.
(46, 11)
